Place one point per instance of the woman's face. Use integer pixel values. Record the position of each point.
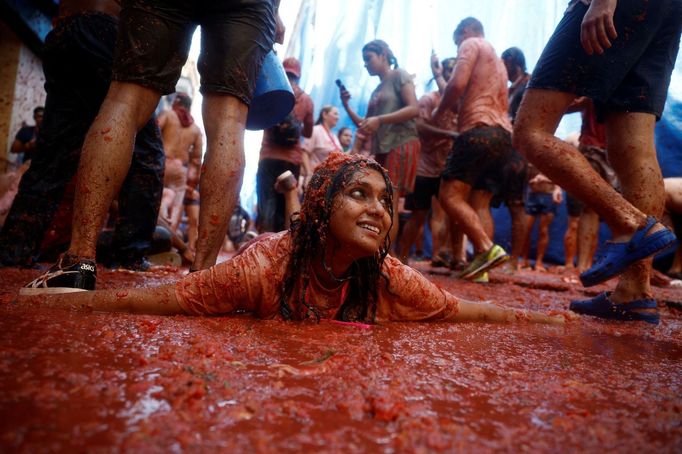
(373, 62)
(360, 217)
(331, 118)
(345, 138)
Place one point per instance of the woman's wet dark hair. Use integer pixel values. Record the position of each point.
(380, 47)
(309, 231)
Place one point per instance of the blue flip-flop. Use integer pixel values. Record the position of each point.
(601, 306)
(613, 258)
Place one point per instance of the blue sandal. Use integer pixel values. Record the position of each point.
(613, 258)
(602, 306)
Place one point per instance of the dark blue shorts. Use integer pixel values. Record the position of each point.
(537, 203)
(633, 75)
(155, 37)
(424, 189)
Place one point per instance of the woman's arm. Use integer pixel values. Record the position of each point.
(410, 111)
(490, 312)
(412, 297)
(157, 300)
(345, 97)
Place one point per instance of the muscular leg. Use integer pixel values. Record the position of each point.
(105, 160)
(480, 202)
(223, 170)
(536, 122)
(632, 152)
(453, 197)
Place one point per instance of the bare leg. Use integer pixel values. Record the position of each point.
(538, 118)
(525, 251)
(222, 172)
(439, 227)
(105, 160)
(480, 202)
(588, 237)
(166, 204)
(543, 240)
(571, 241)
(453, 197)
(193, 221)
(632, 152)
(518, 235)
(409, 234)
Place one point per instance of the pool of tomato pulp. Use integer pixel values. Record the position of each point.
(76, 381)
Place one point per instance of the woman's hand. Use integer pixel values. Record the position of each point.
(597, 29)
(557, 195)
(345, 96)
(370, 125)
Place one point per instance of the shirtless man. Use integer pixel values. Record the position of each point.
(182, 143)
(474, 170)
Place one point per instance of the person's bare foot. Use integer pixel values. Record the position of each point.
(540, 267)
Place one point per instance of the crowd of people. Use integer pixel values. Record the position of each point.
(333, 243)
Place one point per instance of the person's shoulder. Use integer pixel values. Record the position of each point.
(171, 117)
(475, 44)
(400, 76)
(25, 133)
(401, 73)
(307, 99)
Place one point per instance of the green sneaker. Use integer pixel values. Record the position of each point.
(485, 261)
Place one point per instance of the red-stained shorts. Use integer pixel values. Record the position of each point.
(401, 163)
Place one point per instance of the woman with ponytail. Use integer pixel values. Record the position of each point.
(391, 119)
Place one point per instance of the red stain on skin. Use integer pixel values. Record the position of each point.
(215, 220)
(105, 130)
(107, 138)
